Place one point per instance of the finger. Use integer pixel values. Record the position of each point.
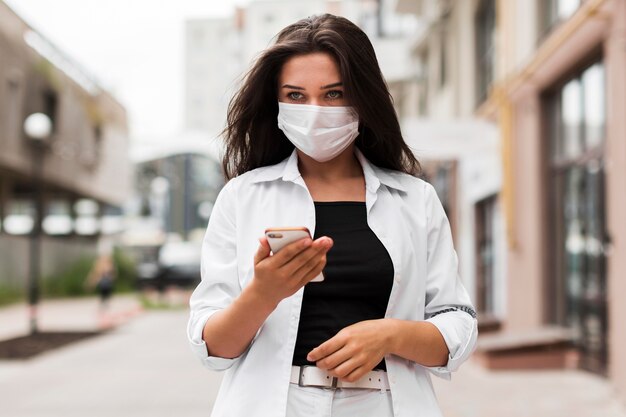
(289, 251)
(307, 274)
(306, 261)
(345, 368)
(334, 360)
(357, 373)
(316, 247)
(263, 251)
(324, 241)
(327, 348)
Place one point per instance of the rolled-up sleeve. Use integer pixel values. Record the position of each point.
(219, 285)
(448, 305)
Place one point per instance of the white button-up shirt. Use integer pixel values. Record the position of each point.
(407, 217)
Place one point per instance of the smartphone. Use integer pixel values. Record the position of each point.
(279, 237)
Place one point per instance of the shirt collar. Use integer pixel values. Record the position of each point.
(374, 176)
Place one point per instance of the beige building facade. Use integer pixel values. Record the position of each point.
(563, 104)
(437, 114)
(552, 75)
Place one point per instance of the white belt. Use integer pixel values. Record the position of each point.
(312, 376)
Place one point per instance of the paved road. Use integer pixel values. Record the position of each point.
(145, 368)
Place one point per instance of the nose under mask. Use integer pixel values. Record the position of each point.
(321, 132)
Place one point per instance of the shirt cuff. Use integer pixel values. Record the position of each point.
(460, 331)
(198, 345)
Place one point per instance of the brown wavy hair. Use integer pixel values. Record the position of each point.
(252, 136)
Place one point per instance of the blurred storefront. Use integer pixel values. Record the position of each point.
(178, 191)
(80, 172)
(552, 75)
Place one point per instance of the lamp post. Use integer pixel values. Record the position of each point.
(37, 128)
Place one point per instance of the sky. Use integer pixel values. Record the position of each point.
(134, 48)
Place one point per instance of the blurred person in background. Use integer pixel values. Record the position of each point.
(313, 140)
(102, 279)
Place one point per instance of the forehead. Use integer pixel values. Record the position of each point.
(310, 69)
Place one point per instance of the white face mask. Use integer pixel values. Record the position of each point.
(321, 132)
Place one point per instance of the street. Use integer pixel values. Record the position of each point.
(145, 368)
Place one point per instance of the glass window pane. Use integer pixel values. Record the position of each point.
(571, 119)
(566, 8)
(86, 207)
(58, 218)
(20, 218)
(86, 225)
(595, 110)
(554, 128)
(574, 245)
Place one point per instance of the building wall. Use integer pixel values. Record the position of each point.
(447, 36)
(452, 33)
(615, 58)
(525, 274)
(78, 158)
(212, 64)
(57, 256)
(480, 177)
(85, 157)
(531, 60)
(220, 51)
(530, 71)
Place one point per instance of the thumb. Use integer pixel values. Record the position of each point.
(263, 251)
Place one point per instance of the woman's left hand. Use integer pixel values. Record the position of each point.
(355, 350)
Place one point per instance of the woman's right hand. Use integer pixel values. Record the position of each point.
(281, 275)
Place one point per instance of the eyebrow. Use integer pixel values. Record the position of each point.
(324, 87)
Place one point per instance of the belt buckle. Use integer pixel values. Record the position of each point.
(333, 384)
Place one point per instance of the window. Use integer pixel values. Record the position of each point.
(58, 217)
(485, 255)
(86, 222)
(556, 11)
(50, 103)
(20, 216)
(443, 70)
(485, 48)
(443, 50)
(577, 288)
(12, 115)
(578, 115)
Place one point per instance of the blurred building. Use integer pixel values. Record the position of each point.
(213, 60)
(460, 159)
(552, 74)
(83, 165)
(459, 151)
(177, 190)
(218, 52)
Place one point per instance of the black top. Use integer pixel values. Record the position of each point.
(358, 278)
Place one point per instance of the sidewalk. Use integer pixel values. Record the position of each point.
(69, 314)
(145, 368)
(478, 392)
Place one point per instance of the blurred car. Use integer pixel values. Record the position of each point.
(179, 264)
(146, 258)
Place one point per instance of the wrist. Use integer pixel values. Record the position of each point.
(261, 300)
(391, 335)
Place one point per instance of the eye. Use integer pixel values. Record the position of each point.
(335, 94)
(294, 95)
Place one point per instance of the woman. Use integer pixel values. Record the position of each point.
(313, 140)
(102, 278)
